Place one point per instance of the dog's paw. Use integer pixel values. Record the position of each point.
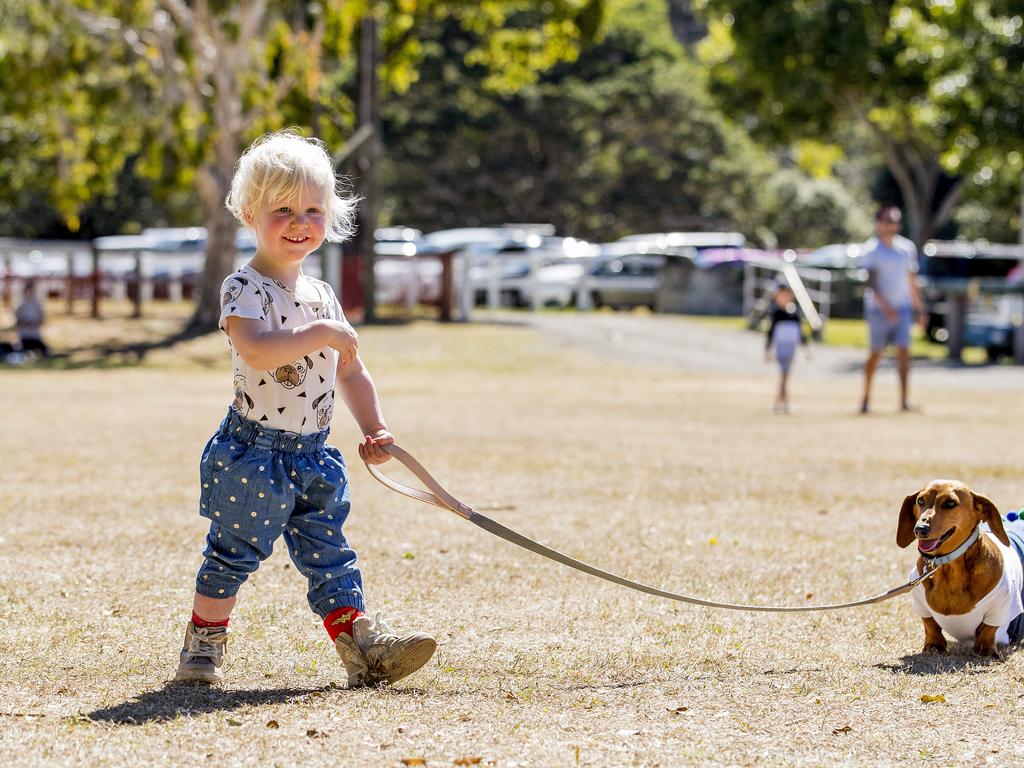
(934, 648)
(988, 651)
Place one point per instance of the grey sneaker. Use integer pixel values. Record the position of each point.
(202, 657)
(354, 661)
(388, 657)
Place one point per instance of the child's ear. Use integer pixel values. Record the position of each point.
(247, 216)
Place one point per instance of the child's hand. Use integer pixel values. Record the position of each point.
(371, 451)
(345, 340)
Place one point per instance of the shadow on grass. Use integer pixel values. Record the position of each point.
(105, 356)
(177, 699)
(923, 664)
(186, 699)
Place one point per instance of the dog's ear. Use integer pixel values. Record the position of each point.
(905, 529)
(990, 515)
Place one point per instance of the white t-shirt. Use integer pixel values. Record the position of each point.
(997, 609)
(298, 397)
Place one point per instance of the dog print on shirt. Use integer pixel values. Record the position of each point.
(324, 406)
(292, 375)
(243, 403)
(232, 290)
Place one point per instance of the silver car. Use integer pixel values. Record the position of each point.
(625, 280)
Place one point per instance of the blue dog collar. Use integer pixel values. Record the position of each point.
(937, 560)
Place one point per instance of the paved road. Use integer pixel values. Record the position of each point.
(690, 345)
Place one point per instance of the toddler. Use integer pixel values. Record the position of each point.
(784, 334)
(268, 472)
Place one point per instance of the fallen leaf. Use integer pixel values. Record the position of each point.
(678, 710)
(713, 540)
(409, 556)
(413, 761)
(232, 721)
(936, 699)
(511, 696)
(474, 760)
(313, 733)
(844, 729)
(808, 596)
(465, 718)
(272, 724)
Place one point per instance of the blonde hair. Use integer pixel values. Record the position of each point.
(278, 166)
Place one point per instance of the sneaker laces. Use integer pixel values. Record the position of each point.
(380, 632)
(207, 642)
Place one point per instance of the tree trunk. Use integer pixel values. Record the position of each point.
(917, 174)
(220, 250)
(367, 163)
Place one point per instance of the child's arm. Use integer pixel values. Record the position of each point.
(360, 395)
(267, 350)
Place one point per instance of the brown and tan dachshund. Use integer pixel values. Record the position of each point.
(941, 517)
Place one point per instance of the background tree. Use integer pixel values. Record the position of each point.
(914, 73)
(184, 86)
(623, 138)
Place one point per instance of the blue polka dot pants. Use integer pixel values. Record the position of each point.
(259, 484)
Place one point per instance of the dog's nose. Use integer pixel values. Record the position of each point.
(922, 528)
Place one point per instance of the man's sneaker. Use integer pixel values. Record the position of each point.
(388, 657)
(202, 657)
(354, 661)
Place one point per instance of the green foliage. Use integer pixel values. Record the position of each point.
(104, 85)
(940, 82)
(622, 139)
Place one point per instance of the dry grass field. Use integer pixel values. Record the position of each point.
(680, 478)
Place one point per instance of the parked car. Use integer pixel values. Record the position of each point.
(989, 323)
(624, 277)
(675, 241)
(401, 274)
(550, 265)
(947, 266)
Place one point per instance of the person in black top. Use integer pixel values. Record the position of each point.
(784, 334)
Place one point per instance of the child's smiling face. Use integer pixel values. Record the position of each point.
(289, 230)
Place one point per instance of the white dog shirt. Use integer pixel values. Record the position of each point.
(997, 609)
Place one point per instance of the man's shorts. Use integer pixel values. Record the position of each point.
(259, 484)
(884, 332)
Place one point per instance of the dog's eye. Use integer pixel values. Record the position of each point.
(948, 504)
(920, 501)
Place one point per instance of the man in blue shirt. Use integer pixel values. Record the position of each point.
(892, 300)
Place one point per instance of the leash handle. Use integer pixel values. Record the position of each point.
(439, 497)
(436, 496)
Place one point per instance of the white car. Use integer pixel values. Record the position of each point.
(551, 266)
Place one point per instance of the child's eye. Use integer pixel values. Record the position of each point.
(285, 209)
(313, 210)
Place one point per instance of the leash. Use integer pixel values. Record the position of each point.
(439, 497)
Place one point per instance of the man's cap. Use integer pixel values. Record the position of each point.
(889, 213)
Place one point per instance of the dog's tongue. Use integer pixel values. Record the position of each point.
(927, 545)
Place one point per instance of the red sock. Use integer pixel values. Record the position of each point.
(200, 623)
(340, 620)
